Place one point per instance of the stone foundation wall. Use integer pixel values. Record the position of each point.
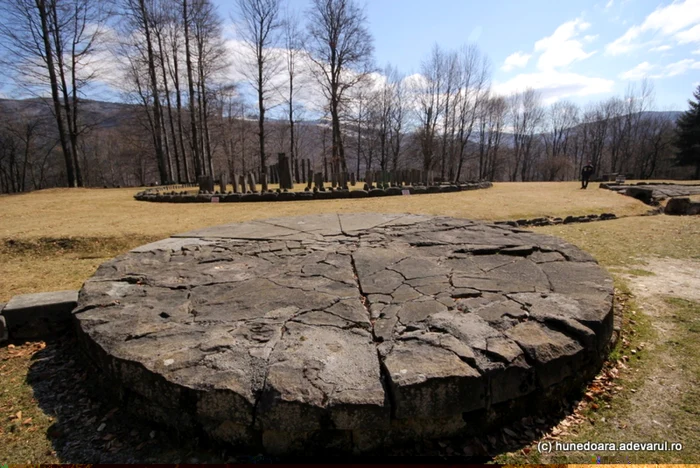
(174, 196)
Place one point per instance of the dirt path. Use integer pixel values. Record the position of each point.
(655, 404)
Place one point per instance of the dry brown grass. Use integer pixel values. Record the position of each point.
(627, 241)
(115, 213)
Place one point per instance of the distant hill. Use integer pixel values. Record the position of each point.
(97, 113)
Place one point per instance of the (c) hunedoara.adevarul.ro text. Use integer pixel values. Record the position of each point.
(546, 446)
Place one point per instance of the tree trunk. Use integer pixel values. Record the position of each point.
(170, 111)
(178, 97)
(158, 137)
(67, 154)
(190, 81)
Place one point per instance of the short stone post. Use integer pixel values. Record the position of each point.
(234, 182)
(368, 179)
(252, 186)
(318, 180)
(206, 183)
(296, 171)
(285, 172)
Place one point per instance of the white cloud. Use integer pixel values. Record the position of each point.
(562, 48)
(667, 21)
(590, 38)
(516, 60)
(640, 71)
(554, 85)
(645, 69)
(661, 48)
(609, 4)
(689, 35)
(680, 67)
(696, 52)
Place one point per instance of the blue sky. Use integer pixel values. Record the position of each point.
(576, 50)
(568, 49)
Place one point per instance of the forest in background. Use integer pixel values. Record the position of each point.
(192, 104)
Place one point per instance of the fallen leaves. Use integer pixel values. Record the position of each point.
(27, 349)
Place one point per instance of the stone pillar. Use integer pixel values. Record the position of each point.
(285, 172)
(206, 183)
(352, 179)
(303, 171)
(234, 182)
(223, 182)
(296, 170)
(241, 183)
(252, 186)
(309, 174)
(318, 180)
(343, 182)
(334, 176)
(263, 181)
(368, 179)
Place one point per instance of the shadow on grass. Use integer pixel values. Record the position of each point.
(90, 427)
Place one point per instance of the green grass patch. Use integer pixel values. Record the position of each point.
(640, 272)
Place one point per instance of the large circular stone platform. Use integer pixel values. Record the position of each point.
(346, 332)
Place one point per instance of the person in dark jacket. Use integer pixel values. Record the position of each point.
(586, 173)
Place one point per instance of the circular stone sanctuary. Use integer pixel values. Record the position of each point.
(348, 332)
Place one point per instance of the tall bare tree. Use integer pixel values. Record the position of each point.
(340, 45)
(563, 117)
(293, 50)
(429, 103)
(52, 42)
(261, 22)
(473, 92)
(526, 117)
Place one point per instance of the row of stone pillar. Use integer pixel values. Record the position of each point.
(399, 178)
(281, 174)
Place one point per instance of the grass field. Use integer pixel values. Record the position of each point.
(55, 239)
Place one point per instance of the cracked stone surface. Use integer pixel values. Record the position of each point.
(346, 332)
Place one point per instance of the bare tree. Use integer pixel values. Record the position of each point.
(398, 114)
(429, 103)
(473, 92)
(52, 42)
(340, 45)
(259, 32)
(563, 117)
(293, 50)
(526, 118)
(450, 92)
(207, 31)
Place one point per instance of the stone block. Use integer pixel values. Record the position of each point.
(359, 194)
(3, 329)
(682, 206)
(231, 198)
(39, 315)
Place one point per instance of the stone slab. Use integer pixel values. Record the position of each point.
(39, 315)
(301, 333)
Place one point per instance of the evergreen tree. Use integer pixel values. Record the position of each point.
(688, 135)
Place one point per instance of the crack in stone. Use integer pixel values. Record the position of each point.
(364, 300)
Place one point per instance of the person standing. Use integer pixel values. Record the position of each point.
(586, 173)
